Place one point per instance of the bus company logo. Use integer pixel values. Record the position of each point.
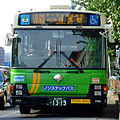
(25, 19)
(95, 80)
(58, 78)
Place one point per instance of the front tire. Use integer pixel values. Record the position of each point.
(24, 109)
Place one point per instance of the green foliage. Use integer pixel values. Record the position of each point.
(112, 10)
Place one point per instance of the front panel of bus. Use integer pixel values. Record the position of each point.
(58, 66)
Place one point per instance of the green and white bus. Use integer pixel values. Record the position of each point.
(58, 59)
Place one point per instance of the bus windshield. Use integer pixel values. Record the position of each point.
(85, 48)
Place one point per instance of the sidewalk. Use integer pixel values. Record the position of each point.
(112, 98)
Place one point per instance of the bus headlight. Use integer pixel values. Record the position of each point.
(97, 93)
(97, 87)
(19, 92)
(19, 87)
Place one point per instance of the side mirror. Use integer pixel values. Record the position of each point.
(9, 38)
(109, 29)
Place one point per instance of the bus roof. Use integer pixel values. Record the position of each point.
(59, 10)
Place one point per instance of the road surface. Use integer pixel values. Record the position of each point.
(109, 113)
(12, 113)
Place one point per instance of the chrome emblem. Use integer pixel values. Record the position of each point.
(58, 78)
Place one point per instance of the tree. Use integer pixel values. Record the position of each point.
(112, 10)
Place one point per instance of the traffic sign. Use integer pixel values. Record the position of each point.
(7, 64)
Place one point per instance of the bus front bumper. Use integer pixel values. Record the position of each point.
(58, 101)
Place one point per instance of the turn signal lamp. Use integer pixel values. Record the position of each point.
(11, 89)
(105, 88)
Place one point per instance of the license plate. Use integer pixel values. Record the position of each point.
(58, 101)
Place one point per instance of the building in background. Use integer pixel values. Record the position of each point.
(7, 59)
(2, 56)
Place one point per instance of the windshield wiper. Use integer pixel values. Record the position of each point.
(45, 61)
(72, 62)
(53, 53)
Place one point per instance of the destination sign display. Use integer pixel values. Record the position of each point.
(59, 18)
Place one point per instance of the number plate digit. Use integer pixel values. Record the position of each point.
(57, 101)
